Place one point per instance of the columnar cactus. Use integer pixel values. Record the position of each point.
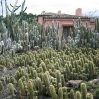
(72, 96)
(53, 92)
(43, 66)
(97, 25)
(83, 90)
(1, 86)
(78, 95)
(30, 89)
(58, 76)
(63, 80)
(60, 93)
(47, 81)
(83, 35)
(65, 93)
(39, 85)
(11, 89)
(21, 86)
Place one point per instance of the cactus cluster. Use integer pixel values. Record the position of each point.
(47, 69)
(47, 72)
(32, 36)
(23, 37)
(84, 36)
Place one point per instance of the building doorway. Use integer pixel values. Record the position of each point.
(66, 31)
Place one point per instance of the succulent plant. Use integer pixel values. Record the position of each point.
(53, 92)
(78, 95)
(21, 86)
(39, 85)
(60, 93)
(11, 89)
(89, 96)
(72, 95)
(1, 86)
(30, 89)
(83, 90)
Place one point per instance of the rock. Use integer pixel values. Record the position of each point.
(75, 83)
(94, 81)
(4, 69)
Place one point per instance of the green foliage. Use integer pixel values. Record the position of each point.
(96, 94)
(26, 17)
(91, 86)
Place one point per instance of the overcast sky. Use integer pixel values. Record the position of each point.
(66, 6)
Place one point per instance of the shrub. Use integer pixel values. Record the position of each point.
(96, 94)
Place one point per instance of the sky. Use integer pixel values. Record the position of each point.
(66, 6)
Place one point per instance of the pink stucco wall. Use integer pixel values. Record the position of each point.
(92, 25)
(63, 22)
(40, 19)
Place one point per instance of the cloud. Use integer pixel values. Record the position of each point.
(69, 7)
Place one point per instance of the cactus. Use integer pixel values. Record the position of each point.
(60, 93)
(65, 94)
(11, 22)
(83, 90)
(89, 96)
(53, 92)
(67, 70)
(30, 89)
(97, 24)
(39, 85)
(43, 66)
(72, 96)
(58, 76)
(47, 81)
(21, 86)
(78, 95)
(11, 89)
(63, 80)
(91, 69)
(35, 74)
(1, 86)
(84, 36)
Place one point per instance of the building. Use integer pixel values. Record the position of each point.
(65, 20)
